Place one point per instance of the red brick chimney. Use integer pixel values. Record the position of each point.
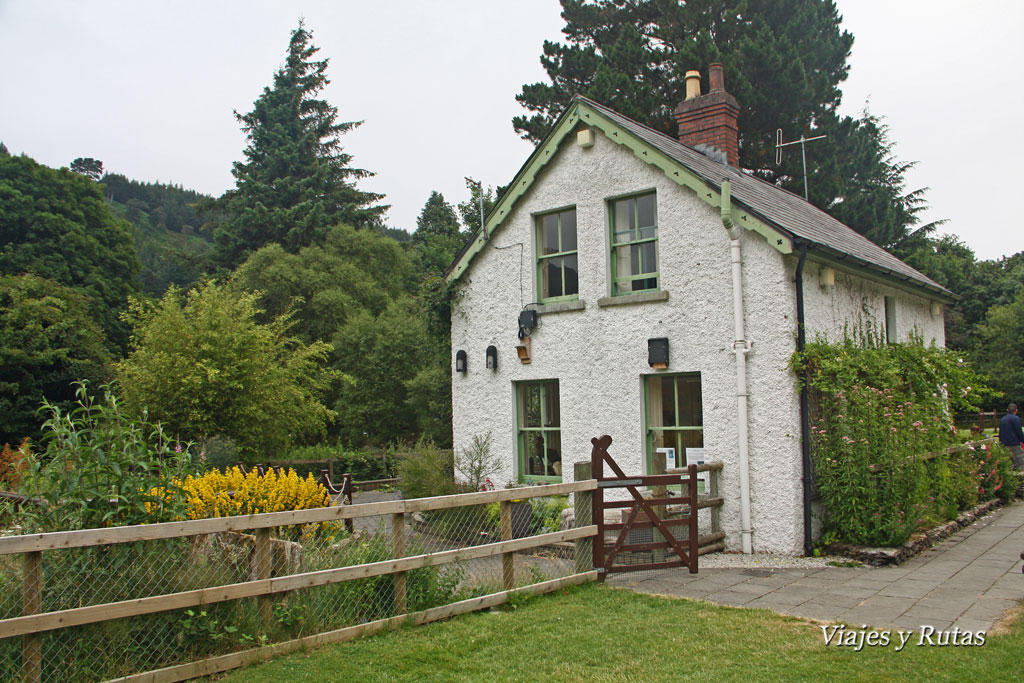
(708, 123)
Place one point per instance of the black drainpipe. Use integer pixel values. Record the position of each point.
(805, 416)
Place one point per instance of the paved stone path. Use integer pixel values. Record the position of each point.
(969, 581)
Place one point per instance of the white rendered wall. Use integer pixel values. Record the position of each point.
(599, 355)
(855, 305)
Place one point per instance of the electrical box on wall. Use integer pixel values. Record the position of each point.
(657, 353)
(527, 320)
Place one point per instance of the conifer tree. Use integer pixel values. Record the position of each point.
(784, 62)
(296, 181)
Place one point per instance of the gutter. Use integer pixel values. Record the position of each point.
(805, 413)
(740, 347)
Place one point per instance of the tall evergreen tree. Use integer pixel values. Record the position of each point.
(295, 182)
(784, 62)
(437, 218)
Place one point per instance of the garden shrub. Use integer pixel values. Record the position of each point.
(97, 468)
(427, 472)
(12, 464)
(232, 492)
(876, 410)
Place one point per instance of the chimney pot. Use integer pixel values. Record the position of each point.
(709, 123)
(692, 84)
(717, 78)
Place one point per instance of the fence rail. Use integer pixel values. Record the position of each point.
(949, 450)
(457, 541)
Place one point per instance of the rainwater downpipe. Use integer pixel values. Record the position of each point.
(805, 415)
(740, 347)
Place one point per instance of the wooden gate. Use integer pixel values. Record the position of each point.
(649, 513)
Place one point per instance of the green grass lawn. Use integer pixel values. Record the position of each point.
(596, 633)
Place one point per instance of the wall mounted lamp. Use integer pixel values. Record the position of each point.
(460, 361)
(492, 358)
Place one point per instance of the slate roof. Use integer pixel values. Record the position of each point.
(781, 208)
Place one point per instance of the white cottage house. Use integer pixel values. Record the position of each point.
(632, 284)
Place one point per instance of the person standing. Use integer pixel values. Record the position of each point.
(1011, 436)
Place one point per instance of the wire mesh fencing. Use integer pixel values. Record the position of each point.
(135, 599)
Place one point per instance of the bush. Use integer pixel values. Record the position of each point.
(229, 493)
(202, 365)
(427, 472)
(98, 467)
(876, 410)
(477, 463)
(13, 463)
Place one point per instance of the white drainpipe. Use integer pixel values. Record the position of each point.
(740, 347)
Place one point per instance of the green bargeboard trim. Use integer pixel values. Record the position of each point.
(672, 169)
(678, 173)
(520, 184)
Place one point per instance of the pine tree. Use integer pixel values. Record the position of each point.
(784, 62)
(437, 218)
(438, 237)
(295, 182)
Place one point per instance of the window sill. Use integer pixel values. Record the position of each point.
(538, 480)
(626, 299)
(559, 306)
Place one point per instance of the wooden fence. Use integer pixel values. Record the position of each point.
(34, 622)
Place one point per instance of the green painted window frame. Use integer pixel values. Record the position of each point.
(649, 431)
(524, 433)
(542, 258)
(891, 333)
(637, 240)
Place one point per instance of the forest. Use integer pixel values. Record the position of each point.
(287, 313)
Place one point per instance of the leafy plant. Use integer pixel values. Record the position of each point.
(99, 468)
(428, 471)
(477, 463)
(203, 366)
(12, 463)
(877, 409)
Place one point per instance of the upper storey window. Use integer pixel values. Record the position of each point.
(634, 225)
(557, 263)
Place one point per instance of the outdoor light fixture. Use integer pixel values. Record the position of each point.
(523, 351)
(492, 358)
(657, 353)
(828, 276)
(936, 309)
(460, 361)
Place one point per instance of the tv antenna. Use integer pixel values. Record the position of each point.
(779, 144)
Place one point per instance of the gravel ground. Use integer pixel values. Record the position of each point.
(763, 560)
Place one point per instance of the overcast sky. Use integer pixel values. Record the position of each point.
(149, 88)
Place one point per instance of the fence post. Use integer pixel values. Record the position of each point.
(262, 562)
(693, 531)
(507, 568)
(398, 551)
(658, 467)
(583, 508)
(716, 510)
(32, 603)
(597, 500)
(346, 499)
